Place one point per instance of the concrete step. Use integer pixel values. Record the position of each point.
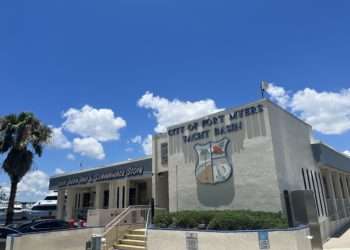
(138, 231)
(135, 236)
(128, 247)
(132, 242)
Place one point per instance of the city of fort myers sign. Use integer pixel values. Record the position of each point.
(216, 122)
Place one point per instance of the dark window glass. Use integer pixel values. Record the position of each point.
(44, 207)
(336, 194)
(308, 179)
(164, 153)
(51, 198)
(118, 197)
(45, 225)
(347, 184)
(318, 178)
(105, 198)
(342, 187)
(325, 185)
(315, 194)
(86, 200)
(319, 193)
(123, 197)
(303, 174)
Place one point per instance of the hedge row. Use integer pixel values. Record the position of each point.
(220, 220)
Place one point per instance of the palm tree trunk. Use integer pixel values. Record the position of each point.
(9, 216)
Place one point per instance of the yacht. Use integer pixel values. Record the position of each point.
(45, 208)
(19, 212)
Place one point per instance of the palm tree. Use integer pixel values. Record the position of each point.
(21, 138)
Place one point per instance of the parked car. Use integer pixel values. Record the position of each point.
(4, 231)
(44, 225)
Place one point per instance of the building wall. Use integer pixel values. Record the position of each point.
(291, 140)
(58, 240)
(160, 188)
(253, 184)
(279, 240)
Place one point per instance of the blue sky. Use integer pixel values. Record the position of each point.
(61, 55)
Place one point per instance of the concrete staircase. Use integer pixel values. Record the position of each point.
(134, 240)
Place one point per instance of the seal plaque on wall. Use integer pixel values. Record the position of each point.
(213, 165)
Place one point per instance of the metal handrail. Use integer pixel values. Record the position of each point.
(108, 233)
(115, 220)
(146, 226)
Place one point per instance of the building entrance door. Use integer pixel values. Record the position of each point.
(132, 196)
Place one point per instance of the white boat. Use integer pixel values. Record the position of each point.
(19, 212)
(45, 208)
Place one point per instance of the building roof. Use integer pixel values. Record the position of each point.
(326, 155)
(137, 167)
(102, 167)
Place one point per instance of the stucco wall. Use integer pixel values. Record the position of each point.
(100, 217)
(160, 187)
(292, 153)
(58, 240)
(253, 184)
(279, 240)
(292, 148)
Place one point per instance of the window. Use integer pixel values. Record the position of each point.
(319, 182)
(308, 179)
(325, 185)
(44, 207)
(315, 194)
(123, 197)
(318, 193)
(86, 200)
(342, 187)
(118, 197)
(45, 225)
(336, 191)
(303, 174)
(164, 153)
(50, 198)
(347, 184)
(105, 198)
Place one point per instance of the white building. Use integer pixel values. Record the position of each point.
(256, 157)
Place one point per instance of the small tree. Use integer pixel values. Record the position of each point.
(21, 137)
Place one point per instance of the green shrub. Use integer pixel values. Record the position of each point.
(221, 220)
(162, 219)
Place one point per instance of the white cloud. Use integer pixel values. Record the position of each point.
(278, 94)
(59, 171)
(129, 149)
(100, 124)
(347, 153)
(58, 139)
(137, 139)
(71, 156)
(34, 186)
(170, 112)
(147, 145)
(88, 147)
(327, 112)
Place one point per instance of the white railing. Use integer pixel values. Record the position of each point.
(147, 224)
(131, 218)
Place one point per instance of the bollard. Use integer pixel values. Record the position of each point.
(96, 241)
